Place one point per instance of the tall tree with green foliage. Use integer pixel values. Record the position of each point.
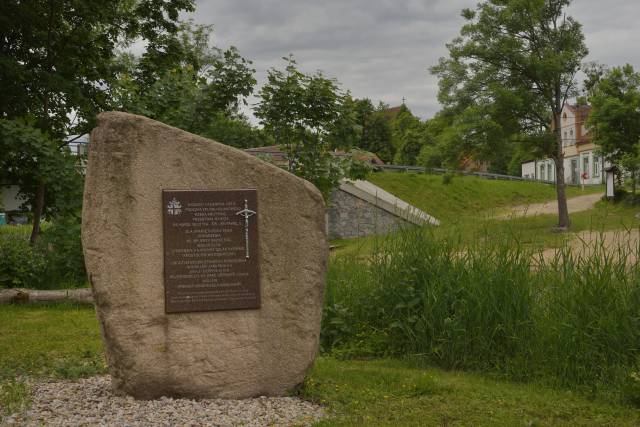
(407, 136)
(30, 158)
(514, 64)
(301, 111)
(345, 133)
(185, 82)
(377, 136)
(56, 56)
(614, 121)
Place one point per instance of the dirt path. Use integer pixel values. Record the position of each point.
(575, 204)
(616, 243)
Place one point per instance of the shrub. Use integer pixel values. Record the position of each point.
(56, 261)
(20, 264)
(447, 178)
(65, 260)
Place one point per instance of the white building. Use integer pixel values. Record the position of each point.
(582, 164)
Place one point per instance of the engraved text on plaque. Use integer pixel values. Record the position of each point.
(210, 250)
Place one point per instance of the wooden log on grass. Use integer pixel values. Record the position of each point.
(26, 296)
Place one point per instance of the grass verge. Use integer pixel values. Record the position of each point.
(399, 393)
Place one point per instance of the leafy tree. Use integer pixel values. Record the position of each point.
(372, 128)
(189, 84)
(614, 121)
(363, 109)
(407, 137)
(453, 137)
(435, 152)
(412, 142)
(345, 133)
(594, 71)
(236, 131)
(55, 57)
(301, 111)
(32, 158)
(513, 68)
(377, 136)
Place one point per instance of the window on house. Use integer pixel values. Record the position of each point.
(596, 166)
(549, 172)
(585, 164)
(542, 172)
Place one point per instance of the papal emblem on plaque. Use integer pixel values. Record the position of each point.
(174, 207)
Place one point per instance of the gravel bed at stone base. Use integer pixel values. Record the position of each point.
(90, 402)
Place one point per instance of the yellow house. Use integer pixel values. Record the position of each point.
(582, 163)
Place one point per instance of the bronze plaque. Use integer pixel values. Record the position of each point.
(210, 250)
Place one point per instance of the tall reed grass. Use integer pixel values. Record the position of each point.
(571, 318)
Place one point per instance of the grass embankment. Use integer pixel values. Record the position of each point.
(63, 341)
(467, 209)
(466, 197)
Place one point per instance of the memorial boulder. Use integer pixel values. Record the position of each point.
(207, 264)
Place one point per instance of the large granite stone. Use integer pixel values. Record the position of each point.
(230, 354)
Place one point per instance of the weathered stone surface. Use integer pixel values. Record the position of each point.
(231, 354)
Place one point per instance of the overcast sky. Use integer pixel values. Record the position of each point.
(382, 49)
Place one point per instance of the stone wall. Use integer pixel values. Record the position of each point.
(350, 216)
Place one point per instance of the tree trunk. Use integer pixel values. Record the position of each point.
(28, 296)
(563, 210)
(38, 207)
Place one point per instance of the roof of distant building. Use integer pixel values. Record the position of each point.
(392, 112)
(363, 156)
(581, 111)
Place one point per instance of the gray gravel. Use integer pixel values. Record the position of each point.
(90, 402)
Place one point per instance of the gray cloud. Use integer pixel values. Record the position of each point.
(383, 49)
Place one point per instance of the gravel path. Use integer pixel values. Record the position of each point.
(575, 204)
(90, 402)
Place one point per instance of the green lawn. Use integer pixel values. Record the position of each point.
(396, 393)
(58, 340)
(63, 341)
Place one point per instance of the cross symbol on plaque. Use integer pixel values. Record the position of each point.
(246, 213)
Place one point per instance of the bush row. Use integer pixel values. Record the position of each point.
(54, 262)
(570, 319)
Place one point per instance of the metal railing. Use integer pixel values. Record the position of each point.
(485, 175)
